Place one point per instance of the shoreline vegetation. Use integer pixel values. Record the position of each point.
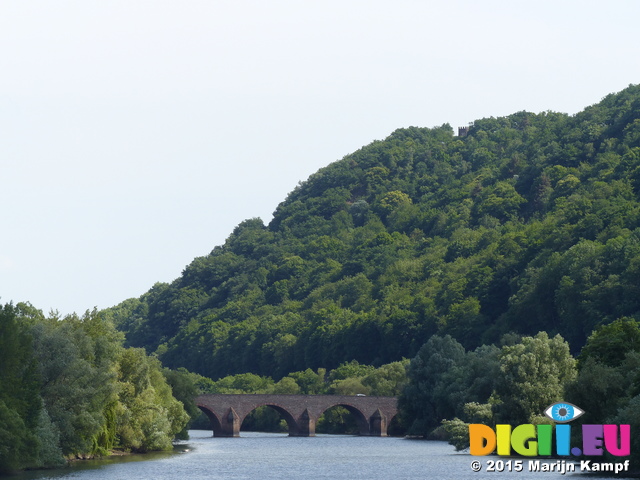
(480, 277)
(68, 388)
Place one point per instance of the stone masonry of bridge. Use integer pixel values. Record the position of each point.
(301, 412)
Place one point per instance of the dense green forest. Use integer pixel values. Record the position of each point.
(69, 389)
(529, 223)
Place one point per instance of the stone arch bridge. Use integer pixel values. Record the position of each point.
(301, 412)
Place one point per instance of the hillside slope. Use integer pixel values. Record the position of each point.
(528, 223)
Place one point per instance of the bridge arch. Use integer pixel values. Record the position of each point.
(361, 420)
(292, 424)
(216, 425)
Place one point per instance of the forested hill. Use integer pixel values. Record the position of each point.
(528, 223)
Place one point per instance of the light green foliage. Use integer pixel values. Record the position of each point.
(392, 201)
(501, 201)
(310, 382)
(350, 386)
(387, 380)
(533, 375)
(478, 413)
(352, 369)
(242, 383)
(149, 416)
(458, 432)
(286, 386)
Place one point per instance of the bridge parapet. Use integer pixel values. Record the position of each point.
(301, 412)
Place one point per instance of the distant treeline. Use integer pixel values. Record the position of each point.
(69, 389)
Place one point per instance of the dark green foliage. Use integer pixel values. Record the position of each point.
(629, 414)
(20, 401)
(184, 389)
(608, 384)
(17, 443)
(442, 378)
(610, 344)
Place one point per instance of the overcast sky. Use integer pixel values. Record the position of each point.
(135, 135)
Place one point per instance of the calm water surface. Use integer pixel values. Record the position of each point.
(271, 456)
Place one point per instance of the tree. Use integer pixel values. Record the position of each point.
(20, 400)
(424, 399)
(350, 386)
(75, 390)
(392, 201)
(387, 380)
(184, 389)
(352, 369)
(630, 415)
(286, 386)
(609, 344)
(533, 375)
(242, 383)
(598, 389)
(310, 382)
(148, 415)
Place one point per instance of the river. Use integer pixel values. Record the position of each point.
(271, 456)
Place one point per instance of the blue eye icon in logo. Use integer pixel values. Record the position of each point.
(563, 412)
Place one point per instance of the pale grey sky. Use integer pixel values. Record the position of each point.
(135, 135)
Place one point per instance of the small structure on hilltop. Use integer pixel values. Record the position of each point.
(463, 131)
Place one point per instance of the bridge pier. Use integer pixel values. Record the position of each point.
(378, 424)
(305, 426)
(229, 425)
